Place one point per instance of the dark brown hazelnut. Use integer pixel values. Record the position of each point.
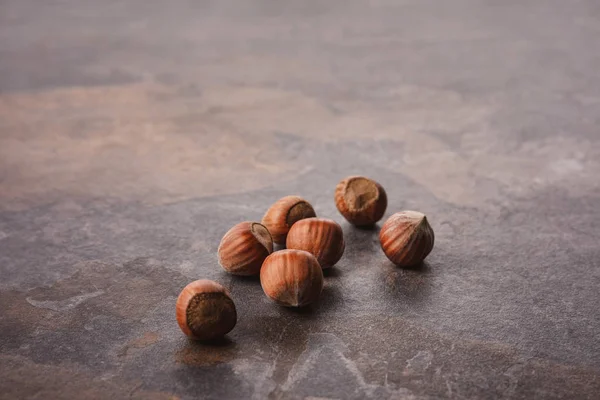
(362, 201)
(244, 248)
(321, 237)
(205, 310)
(292, 278)
(286, 211)
(406, 238)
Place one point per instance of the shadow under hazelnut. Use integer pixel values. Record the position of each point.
(406, 284)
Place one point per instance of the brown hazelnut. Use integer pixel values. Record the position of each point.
(362, 201)
(406, 238)
(321, 237)
(280, 217)
(292, 278)
(244, 248)
(205, 310)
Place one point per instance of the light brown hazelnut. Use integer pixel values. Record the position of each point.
(292, 278)
(280, 217)
(205, 310)
(244, 248)
(406, 238)
(321, 237)
(362, 201)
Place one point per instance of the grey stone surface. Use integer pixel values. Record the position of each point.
(134, 134)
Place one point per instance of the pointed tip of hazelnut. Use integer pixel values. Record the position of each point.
(407, 238)
(292, 278)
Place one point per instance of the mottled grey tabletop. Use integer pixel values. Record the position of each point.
(133, 135)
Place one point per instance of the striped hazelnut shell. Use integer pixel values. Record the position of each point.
(292, 278)
(321, 237)
(361, 200)
(286, 211)
(205, 310)
(406, 238)
(244, 248)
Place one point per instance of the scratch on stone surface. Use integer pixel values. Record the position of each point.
(63, 305)
(299, 372)
(419, 363)
(135, 389)
(276, 344)
(325, 352)
(259, 374)
(449, 387)
(278, 341)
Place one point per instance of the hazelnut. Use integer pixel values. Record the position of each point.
(244, 248)
(362, 201)
(292, 278)
(205, 311)
(321, 237)
(406, 238)
(280, 217)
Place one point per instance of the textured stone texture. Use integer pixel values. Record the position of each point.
(133, 135)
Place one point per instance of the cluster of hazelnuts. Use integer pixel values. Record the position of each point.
(294, 277)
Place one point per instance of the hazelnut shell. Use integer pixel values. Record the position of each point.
(292, 278)
(205, 310)
(244, 248)
(286, 211)
(361, 200)
(406, 238)
(321, 237)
